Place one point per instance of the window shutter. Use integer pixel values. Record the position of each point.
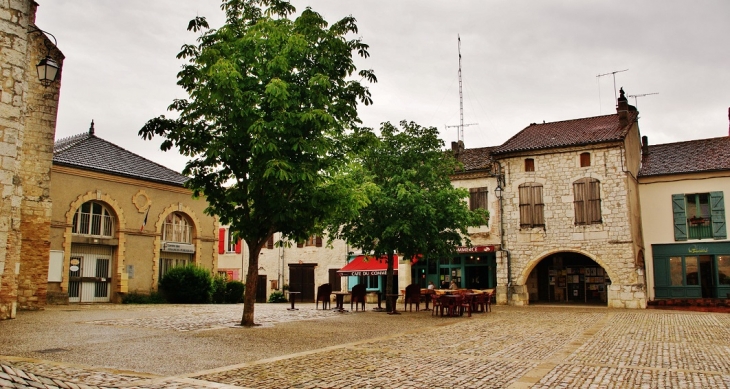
(473, 195)
(578, 202)
(594, 204)
(525, 206)
(538, 218)
(270, 242)
(680, 218)
(221, 240)
(319, 241)
(717, 212)
(238, 246)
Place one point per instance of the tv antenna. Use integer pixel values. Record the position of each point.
(636, 104)
(460, 127)
(613, 73)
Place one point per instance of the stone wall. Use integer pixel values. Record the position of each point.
(613, 244)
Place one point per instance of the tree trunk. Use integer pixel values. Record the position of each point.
(389, 285)
(249, 296)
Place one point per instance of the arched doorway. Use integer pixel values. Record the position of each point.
(92, 252)
(178, 247)
(568, 277)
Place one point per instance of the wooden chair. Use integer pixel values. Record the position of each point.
(324, 292)
(437, 304)
(358, 296)
(412, 296)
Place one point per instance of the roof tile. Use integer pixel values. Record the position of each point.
(701, 155)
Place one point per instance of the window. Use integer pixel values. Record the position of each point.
(585, 159)
(270, 242)
(699, 216)
(177, 228)
(477, 198)
(587, 201)
(314, 240)
(231, 242)
(171, 260)
(529, 165)
(531, 206)
(93, 219)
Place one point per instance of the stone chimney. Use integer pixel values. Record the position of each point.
(622, 108)
(644, 146)
(457, 148)
(91, 128)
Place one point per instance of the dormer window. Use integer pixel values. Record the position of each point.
(529, 165)
(585, 159)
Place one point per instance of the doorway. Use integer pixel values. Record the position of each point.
(707, 276)
(568, 278)
(90, 274)
(301, 279)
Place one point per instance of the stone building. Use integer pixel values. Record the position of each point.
(571, 212)
(120, 222)
(28, 110)
(682, 187)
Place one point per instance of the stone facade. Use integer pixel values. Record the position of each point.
(27, 129)
(615, 244)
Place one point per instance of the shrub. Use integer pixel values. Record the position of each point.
(220, 289)
(277, 297)
(187, 285)
(141, 298)
(234, 292)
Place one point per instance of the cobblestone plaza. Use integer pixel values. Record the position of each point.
(172, 346)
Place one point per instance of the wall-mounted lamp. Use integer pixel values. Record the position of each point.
(498, 192)
(47, 68)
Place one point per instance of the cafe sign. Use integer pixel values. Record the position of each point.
(369, 273)
(171, 247)
(475, 249)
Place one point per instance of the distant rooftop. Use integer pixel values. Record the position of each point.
(476, 159)
(694, 156)
(89, 152)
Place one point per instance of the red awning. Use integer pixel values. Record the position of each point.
(366, 265)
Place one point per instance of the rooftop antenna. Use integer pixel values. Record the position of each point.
(636, 104)
(615, 97)
(460, 127)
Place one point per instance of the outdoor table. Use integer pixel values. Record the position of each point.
(427, 299)
(379, 308)
(339, 301)
(451, 297)
(292, 297)
(393, 303)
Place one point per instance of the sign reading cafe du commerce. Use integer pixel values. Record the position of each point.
(475, 249)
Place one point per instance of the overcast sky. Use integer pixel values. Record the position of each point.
(522, 62)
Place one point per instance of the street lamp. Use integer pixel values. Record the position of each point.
(498, 192)
(47, 68)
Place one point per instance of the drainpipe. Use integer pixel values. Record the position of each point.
(500, 178)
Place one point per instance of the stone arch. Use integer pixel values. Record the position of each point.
(522, 277)
(187, 211)
(100, 197)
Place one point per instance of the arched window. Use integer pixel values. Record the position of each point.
(93, 219)
(587, 201)
(177, 228)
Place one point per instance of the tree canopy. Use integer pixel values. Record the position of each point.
(414, 209)
(272, 100)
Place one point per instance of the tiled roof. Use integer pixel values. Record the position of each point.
(702, 155)
(86, 151)
(567, 133)
(476, 159)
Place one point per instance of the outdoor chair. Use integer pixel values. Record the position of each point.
(323, 294)
(412, 296)
(437, 304)
(358, 296)
(480, 302)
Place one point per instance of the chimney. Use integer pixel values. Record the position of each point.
(457, 148)
(91, 129)
(644, 146)
(622, 108)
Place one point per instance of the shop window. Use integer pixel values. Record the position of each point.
(723, 269)
(477, 198)
(699, 216)
(587, 201)
(529, 165)
(676, 274)
(177, 228)
(93, 219)
(531, 205)
(585, 159)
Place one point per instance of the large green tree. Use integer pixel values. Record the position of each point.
(271, 101)
(413, 209)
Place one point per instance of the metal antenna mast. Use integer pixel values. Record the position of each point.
(613, 73)
(460, 131)
(636, 103)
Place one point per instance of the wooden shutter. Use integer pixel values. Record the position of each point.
(221, 240)
(578, 202)
(318, 241)
(594, 201)
(529, 165)
(538, 217)
(238, 246)
(270, 242)
(525, 206)
(680, 217)
(585, 159)
(717, 212)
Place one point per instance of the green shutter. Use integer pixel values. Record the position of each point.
(717, 211)
(680, 218)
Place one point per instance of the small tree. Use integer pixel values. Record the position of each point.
(415, 209)
(270, 103)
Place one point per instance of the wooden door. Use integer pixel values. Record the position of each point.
(301, 279)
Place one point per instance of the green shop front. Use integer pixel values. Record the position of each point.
(470, 267)
(692, 270)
